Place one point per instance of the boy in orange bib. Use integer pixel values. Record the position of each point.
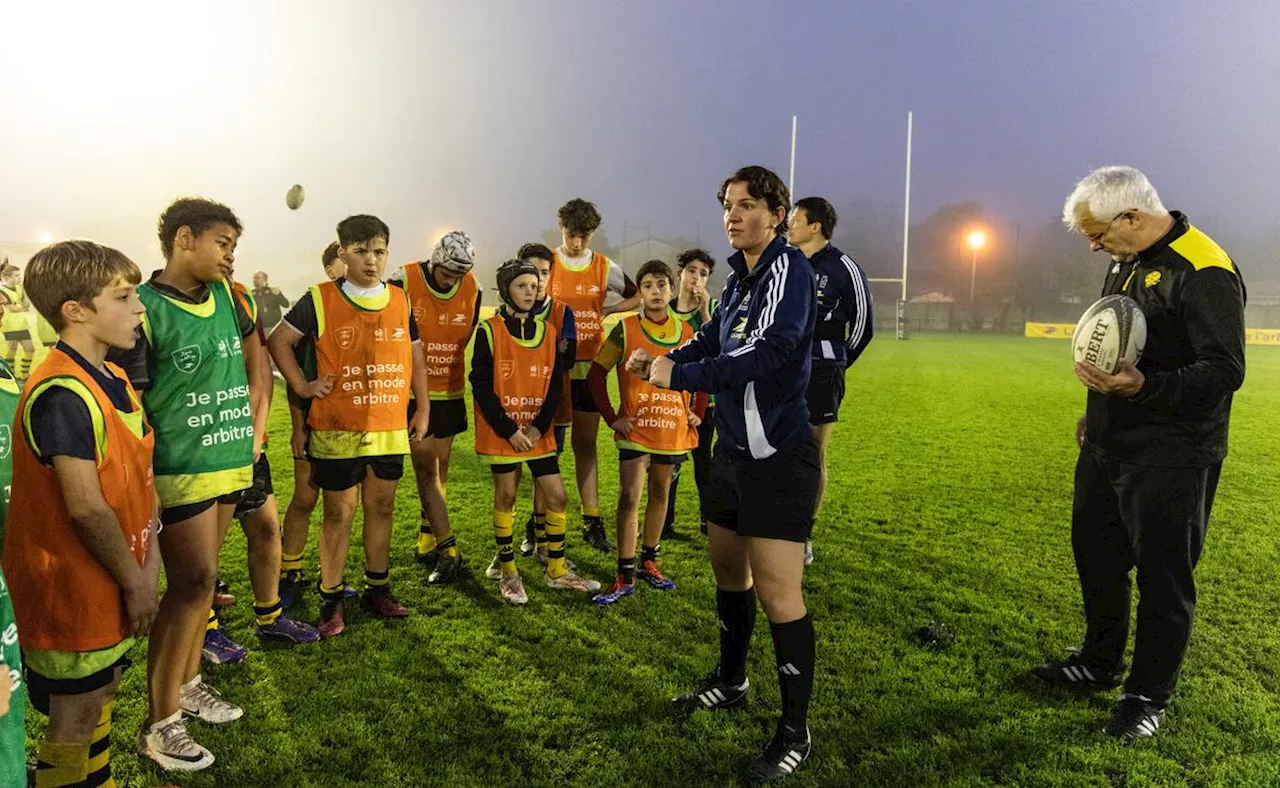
(297, 517)
(80, 551)
(445, 298)
(515, 383)
(560, 316)
(654, 428)
(368, 357)
(583, 279)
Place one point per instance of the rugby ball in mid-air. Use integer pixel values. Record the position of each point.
(1112, 330)
(295, 197)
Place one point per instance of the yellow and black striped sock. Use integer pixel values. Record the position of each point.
(213, 620)
(333, 594)
(540, 530)
(100, 752)
(448, 546)
(266, 612)
(23, 370)
(377, 580)
(555, 544)
(59, 764)
(290, 563)
(590, 511)
(426, 539)
(503, 525)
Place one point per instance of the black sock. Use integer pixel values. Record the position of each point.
(793, 648)
(648, 554)
(627, 570)
(737, 611)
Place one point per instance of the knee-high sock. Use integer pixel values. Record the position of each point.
(737, 612)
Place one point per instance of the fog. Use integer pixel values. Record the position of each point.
(486, 116)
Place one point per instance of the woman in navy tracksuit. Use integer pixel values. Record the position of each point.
(754, 355)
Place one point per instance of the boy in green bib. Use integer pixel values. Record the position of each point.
(194, 365)
(13, 693)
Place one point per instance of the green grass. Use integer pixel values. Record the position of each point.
(949, 501)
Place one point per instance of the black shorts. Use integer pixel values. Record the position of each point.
(39, 687)
(17, 336)
(255, 497)
(176, 514)
(826, 392)
(772, 498)
(625, 454)
(339, 475)
(543, 466)
(448, 417)
(580, 396)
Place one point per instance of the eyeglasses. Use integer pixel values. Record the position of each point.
(1096, 238)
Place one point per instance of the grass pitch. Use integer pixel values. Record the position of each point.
(949, 501)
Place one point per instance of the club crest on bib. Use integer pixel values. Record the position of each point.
(419, 313)
(187, 359)
(506, 368)
(555, 288)
(345, 335)
(6, 440)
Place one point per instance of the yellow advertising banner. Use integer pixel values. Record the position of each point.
(1262, 336)
(1050, 330)
(1252, 336)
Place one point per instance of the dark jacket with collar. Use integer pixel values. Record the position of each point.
(754, 353)
(1193, 298)
(843, 328)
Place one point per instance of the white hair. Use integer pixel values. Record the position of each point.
(1109, 192)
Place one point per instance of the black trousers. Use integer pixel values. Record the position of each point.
(701, 466)
(1125, 516)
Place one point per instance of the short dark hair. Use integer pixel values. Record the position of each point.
(819, 210)
(762, 184)
(696, 255)
(579, 217)
(655, 268)
(362, 227)
(329, 255)
(197, 214)
(532, 250)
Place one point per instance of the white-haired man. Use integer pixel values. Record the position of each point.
(1152, 441)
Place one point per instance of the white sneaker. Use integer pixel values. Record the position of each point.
(171, 747)
(808, 552)
(200, 700)
(572, 582)
(494, 572)
(513, 590)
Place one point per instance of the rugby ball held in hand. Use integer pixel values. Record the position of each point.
(1112, 330)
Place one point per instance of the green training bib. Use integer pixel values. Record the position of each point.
(198, 403)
